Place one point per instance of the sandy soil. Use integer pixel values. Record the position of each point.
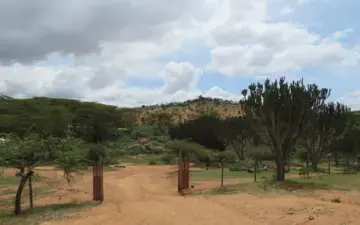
(146, 195)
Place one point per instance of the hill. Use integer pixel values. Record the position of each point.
(182, 111)
(164, 113)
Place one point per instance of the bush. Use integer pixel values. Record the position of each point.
(241, 166)
(160, 139)
(152, 162)
(167, 159)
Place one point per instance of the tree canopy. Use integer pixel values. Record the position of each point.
(277, 112)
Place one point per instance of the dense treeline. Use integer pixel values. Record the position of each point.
(58, 117)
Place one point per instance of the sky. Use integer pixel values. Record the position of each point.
(140, 52)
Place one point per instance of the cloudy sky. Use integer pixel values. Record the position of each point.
(135, 52)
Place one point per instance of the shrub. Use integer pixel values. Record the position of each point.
(167, 159)
(241, 166)
(152, 162)
(336, 200)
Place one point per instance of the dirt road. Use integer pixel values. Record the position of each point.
(146, 195)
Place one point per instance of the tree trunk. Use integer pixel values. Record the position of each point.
(336, 159)
(31, 193)
(329, 165)
(207, 166)
(255, 170)
(24, 178)
(222, 174)
(280, 170)
(315, 163)
(307, 160)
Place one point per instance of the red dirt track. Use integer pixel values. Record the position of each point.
(147, 195)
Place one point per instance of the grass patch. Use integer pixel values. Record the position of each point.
(43, 213)
(231, 189)
(335, 181)
(213, 174)
(293, 185)
(9, 180)
(36, 191)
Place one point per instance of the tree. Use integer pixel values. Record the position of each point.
(257, 154)
(349, 147)
(326, 123)
(29, 151)
(224, 157)
(23, 154)
(277, 112)
(235, 132)
(203, 131)
(95, 122)
(184, 150)
(302, 155)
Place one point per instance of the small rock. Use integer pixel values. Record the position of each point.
(311, 217)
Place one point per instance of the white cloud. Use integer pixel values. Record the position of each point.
(108, 41)
(261, 47)
(179, 76)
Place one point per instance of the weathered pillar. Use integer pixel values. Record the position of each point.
(183, 178)
(98, 183)
(186, 173)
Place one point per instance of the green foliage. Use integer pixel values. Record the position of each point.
(168, 159)
(241, 166)
(236, 133)
(58, 117)
(187, 149)
(258, 153)
(336, 200)
(202, 131)
(277, 111)
(326, 123)
(24, 152)
(301, 154)
(97, 153)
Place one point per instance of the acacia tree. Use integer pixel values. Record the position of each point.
(223, 157)
(325, 125)
(23, 154)
(203, 131)
(257, 154)
(29, 151)
(277, 111)
(235, 132)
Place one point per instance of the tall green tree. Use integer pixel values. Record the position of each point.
(277, 112)
(236, 133)
(326, 123)
(95, 122)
